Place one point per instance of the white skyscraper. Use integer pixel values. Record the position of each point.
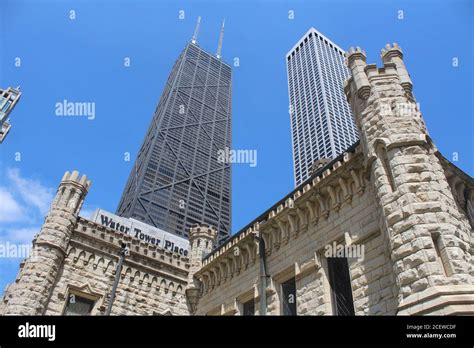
(322, 124)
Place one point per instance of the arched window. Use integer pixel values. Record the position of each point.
(382, 156)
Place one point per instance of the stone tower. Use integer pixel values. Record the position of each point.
(428, 237)
(35, 281)
(201, 240)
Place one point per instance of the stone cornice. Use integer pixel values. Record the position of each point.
(229, 261)
(329, 190)
(163, 270)
(326, 194)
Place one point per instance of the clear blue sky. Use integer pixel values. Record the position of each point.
(82, 60)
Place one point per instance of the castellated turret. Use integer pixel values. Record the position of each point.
(36, 279)
(428, 239)
(394, 54)
(201, 240)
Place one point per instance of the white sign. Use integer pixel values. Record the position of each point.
(142, 231)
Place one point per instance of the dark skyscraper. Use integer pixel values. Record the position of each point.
(177, 180)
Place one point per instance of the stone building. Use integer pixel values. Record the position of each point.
(385, 228)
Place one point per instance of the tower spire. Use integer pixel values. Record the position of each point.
(221, 38)
(196, 31)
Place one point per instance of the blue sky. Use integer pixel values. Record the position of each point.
(83, 60)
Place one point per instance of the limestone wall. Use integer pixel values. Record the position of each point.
(336, 207)
(149, 285)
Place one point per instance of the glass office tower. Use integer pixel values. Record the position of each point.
(177, 180)
(322, 124)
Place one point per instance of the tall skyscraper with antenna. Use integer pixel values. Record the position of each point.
(177, 179)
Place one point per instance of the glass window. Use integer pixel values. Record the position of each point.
(340, 282)
(77, 305)
(249, 308)
(288, 294)
(6, 106)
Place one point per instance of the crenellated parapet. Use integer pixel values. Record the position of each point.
(364, 75)
(383, 103)
(394, 54)
(356, 61)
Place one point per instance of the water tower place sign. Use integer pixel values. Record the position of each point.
(142, 231)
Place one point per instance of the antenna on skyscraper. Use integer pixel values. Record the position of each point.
(221, 38)
(196, 31)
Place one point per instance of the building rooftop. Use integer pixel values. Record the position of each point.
(262, 217)
(311, 30)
